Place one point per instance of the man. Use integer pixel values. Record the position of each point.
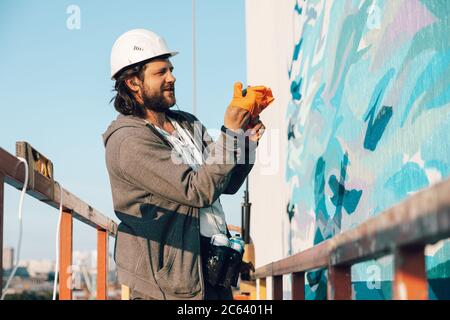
(167, 174)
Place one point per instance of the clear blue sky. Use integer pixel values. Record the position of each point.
(55, 89)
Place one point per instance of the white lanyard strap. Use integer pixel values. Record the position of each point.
(187, 137)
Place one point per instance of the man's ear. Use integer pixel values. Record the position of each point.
(134, 84)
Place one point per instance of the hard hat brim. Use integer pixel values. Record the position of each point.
(170, 54)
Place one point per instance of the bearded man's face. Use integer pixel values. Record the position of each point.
(158, 87)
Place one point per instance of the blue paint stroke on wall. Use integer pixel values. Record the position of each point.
(319, 198)
(341, 196)
(298, 9)
(295, 89)
(410, 178)
(295, 55)
(375, 128)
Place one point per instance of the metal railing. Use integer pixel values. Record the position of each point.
(12, 172)
(403, 230)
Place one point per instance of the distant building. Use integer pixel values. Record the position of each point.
(8, 258)
(37, 276)
(39, 268)
(21, 272)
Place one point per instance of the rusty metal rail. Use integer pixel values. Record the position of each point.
(403, 230)
(12, 172)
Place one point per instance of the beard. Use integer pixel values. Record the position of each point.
(159, 102)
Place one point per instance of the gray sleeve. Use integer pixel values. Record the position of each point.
(154, 167)
(238, 176)
(242, 169)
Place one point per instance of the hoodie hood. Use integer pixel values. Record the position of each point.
(121, 122)
(136, 122)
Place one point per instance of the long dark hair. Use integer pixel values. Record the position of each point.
(125, 101)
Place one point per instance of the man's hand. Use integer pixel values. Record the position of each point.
(236, 118)
(255, 129)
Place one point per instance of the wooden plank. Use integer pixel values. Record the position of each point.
(298, 286)
(65, 256)
(85, 213)
(263, 272)
(421, 219)
(102, 264)
(2, 186)
(47, 191)
(262, 289)
(14, 172)
(339, 284)
(313, 258)
(277, 288)
(410, 278)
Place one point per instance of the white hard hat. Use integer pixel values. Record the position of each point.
(135, 46)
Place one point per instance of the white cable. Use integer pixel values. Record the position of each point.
(58, 227)
(22, 194)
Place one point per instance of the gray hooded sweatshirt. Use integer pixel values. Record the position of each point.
(157, 200)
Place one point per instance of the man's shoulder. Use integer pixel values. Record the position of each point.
(130, 134)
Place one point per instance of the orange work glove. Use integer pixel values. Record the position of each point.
(253, 99)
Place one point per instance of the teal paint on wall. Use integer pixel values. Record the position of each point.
(377, 126)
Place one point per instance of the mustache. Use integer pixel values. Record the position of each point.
(169, 87)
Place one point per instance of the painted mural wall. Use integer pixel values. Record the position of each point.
(369, 122)
(366, 85)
